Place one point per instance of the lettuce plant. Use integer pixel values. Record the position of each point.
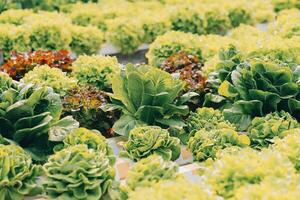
(271, 188)
(92, 139)
(150, 170)
(256, 87)
(30, 116)
(262, 130)
(144, 141)
(78, 173)
(85, 104)
(51, 77)
(147, 96)
(216, 23)
(208, 119)
(289, 146)
(86, 40)
(20, 63)
(206, 144)
(18, 175)
(125, 34)
(239, 16)
(172, 189)
(246, 167)
(95, 70)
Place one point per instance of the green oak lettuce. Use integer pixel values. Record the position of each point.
(78, 173)
(148, 140)
(18, 175)
(147, 96)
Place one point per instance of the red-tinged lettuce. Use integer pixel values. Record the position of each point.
(147, 96)
(18, 177)
(30, 116)
(78, 173)
(263, 130)
(148, 140)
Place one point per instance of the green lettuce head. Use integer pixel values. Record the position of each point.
(51, 77)
(92, 139)
(147, 96)
(289, 146)
(206, 144)
(148, 140)
(18, 175)
(30, 116)
(246, 167)
(172, 189)
(263, 130)
(149, 171)
(95, 70)
(208, 119)
(78, 173)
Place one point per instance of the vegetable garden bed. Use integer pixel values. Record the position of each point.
(184, 100)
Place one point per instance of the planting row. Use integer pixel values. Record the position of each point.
(83, 28)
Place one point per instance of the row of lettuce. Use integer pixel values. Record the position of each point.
(84, 28)
(82, 165)
(257, 93)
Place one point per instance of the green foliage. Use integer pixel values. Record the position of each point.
(188, 21)
(125, 34)
(216, 23)
(15, 17)
(51, 77)
(78, 173)
(148, 140)
(30, 116)
(263, 130)
(208, 119)
(206, 144)
(256, 86)
(246, 167)
(239, 16)
(170, 43)
(92, 139)
(289, 146)
(86, 40)
(48, 34)
(18, 174)
(95, 70)
(149, 171)
(147, 96)
(172, 189)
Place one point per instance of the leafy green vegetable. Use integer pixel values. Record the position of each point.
(208, 119)
(30, 116)
(289, 146)
(256, 86)
(92, 138)
(78, 173)
(206, 144)
(144, 141)
(238, 16)
(18, 175)
(51, 77)
(147, 96)
(150, 170)
(263, 129)
(172, 189)
(246, 167)
(95, 70)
